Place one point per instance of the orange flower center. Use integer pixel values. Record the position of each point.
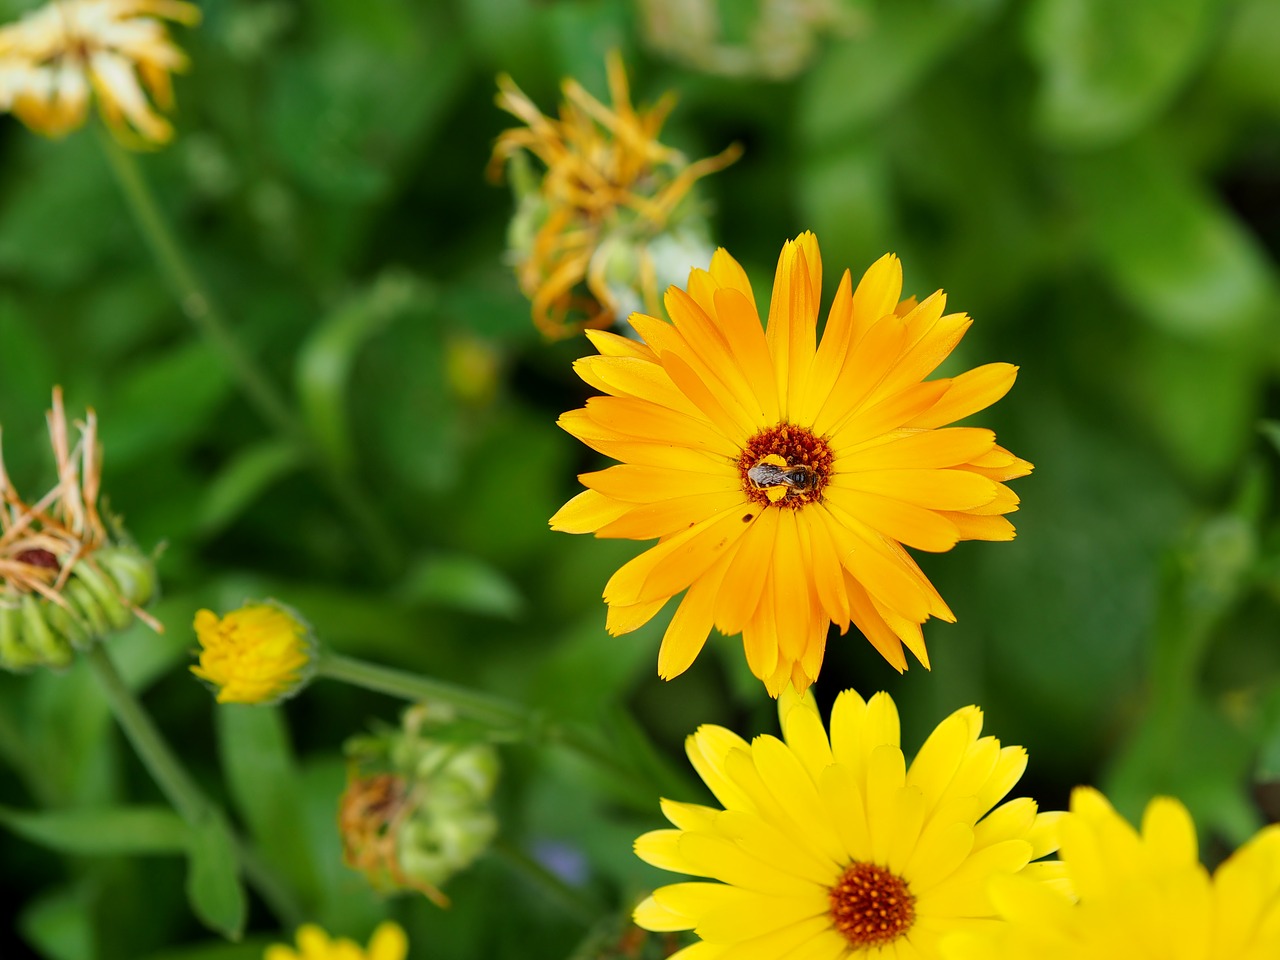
(785, 465)
(871, 906)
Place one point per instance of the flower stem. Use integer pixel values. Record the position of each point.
(190, 293)
(176, 784)
(202, 310)
(580, 906)
(500, 715)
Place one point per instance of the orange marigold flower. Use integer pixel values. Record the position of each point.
(782, 476)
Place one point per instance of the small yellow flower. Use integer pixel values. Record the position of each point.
(66, 581)
(260, 653)
(782, 474)
(55, 57)
(836, 848)
(609, 191)
(1137, 896)
(387, 943)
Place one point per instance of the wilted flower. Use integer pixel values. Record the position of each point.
(607, 214)
(1136, 896)
(387, 943)
(54, 57)
(834, 846)
(782, 475)
(416, 808)
(260, 653)
(65, 582)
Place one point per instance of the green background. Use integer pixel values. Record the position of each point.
(1097, 184)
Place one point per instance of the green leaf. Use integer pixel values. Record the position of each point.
(327, 358)
(262, 776)
(1180, 258)
(1271, 430)
(863, 77)
(213, 881)
(1109, 67)
(248, 475)
(60, 924)
(461, 582)
(106, 831)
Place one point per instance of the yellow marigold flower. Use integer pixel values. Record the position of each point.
(261, 653)
(53, 57)
(66, 582)
(388, 943)
(783, 477)
(609, 190)
(1137, 896)
(835, 848)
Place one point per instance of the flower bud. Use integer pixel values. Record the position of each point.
(65, 582)
(261, 653)
(416, 809)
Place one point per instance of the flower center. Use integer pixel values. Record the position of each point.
(871, 907)
(786, 465)
(38, 557)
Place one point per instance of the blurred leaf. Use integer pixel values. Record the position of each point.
(264, 781)
(1176, 254)
(26, 362)
(844, 196)
(463, 583)
(325, 360)
(1202, 400)
(246, 477)
(213, 880)
(250, 949)
(105, 831)
(1246, 65)
(59, 924)
(1109, 67)
(1271, 430)
(861, 78)
(164, 401)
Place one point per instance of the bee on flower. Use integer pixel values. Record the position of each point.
(57, 58)
(783, 476)
(66, 582)
(595, 236)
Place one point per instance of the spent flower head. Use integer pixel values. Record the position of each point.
(1131, 895)
(834, 846)
(416, 810)
(66, 580)
(55, 58)
(592, 237)
(262, 652)
(387, 943)
(782, 476)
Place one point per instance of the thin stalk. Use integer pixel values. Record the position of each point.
(179, 788)
(200, 307)
(195, 302)
(576, 903)
(501, 715)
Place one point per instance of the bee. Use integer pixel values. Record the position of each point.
(800, 477)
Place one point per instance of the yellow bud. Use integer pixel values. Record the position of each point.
(260, 653)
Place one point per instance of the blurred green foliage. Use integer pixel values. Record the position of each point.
(1098, 184)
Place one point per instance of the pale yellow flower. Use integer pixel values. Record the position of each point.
(1137, 896)
(388, 943)
(260, 653)
(56, 58)
(834, 848)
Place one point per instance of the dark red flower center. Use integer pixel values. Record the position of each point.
(871, 906)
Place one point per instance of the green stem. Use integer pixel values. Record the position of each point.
(501, 715)
(202, 310)
(577, 904)
(195, 302)
(176, 784)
